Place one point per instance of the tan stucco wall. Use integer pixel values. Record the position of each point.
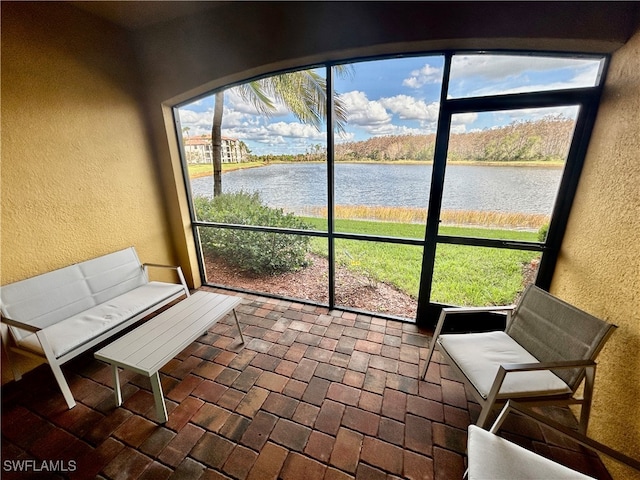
(599, 265)
(78, 175)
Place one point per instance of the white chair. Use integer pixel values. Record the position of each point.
(546, 350)
(492, 457)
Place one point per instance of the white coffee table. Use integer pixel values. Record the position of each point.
(149, 347)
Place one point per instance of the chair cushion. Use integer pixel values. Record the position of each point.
(493, 457)
(72, 332)
(479, 355)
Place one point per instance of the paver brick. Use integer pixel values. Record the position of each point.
(343, 394)
(269, 462)
(239, 462)
(298, 466)
(252, 401)
(361, 420)
(212, 449)
(330, 417)
(346, 451)
(319, 446)
(383, 455)
(259, 430)
(281, 405)
(290, 434)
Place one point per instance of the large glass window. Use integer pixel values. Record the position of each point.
(502, 177)
(384, 152)
(481, 75)
(446, 179)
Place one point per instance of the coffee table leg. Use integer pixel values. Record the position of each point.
(116, 385)
(238, 325)
(161, 408)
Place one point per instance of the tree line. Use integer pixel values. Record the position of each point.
(543, 140)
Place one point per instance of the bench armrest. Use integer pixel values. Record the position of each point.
(15, 323)
(508, 309)
(159, 265)
(172, 267)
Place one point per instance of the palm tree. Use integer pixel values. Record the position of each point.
(303, 92)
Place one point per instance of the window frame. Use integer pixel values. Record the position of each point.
(587, 98)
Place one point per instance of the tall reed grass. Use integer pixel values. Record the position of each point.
(419, 215)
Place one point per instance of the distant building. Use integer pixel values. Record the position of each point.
(198, 150)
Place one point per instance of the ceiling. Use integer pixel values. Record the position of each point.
(134, 15)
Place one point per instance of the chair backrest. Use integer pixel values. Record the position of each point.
(46, 299)
(553, 330)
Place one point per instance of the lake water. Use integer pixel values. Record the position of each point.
(467, 187)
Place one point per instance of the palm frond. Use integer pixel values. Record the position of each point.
(303, 92)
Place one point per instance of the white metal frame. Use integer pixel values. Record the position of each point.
(152, 345)
(11, 346)
(494, 396)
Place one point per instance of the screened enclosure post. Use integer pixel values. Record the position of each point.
(435, 201)
(330, 188)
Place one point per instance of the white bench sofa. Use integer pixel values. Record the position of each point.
(63, 313)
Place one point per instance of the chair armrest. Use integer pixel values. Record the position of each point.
(455, 310)
(580, 438)
(499, 308)
(172, 267)
(15, 323)
(531, 367)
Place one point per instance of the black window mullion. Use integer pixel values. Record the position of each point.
(552, 98)
(435, 200)
(330, 187)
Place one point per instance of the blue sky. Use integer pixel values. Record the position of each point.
(399, 96)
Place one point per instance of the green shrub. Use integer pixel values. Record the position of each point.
(542, 232)
(258, 252)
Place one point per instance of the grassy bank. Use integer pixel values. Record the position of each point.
(501, 220)
(206, 169)
(463, 275)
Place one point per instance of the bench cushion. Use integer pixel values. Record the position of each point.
(479, 356)
(72, 332)
(47, 299)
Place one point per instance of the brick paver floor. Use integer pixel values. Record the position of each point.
(313, 394)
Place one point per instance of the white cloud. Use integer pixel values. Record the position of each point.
(410, 108)
(480, 75)
(459, 121)
(362, 111)
(199, 123)
(295, 130)
(422, 76)
(498, 66)
(535, 114)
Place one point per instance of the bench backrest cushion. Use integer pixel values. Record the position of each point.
(553, 331)
(46, 299)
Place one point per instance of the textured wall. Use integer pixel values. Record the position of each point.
(78, 174)
(599, 266)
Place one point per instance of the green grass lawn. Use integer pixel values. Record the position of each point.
(463, 275)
